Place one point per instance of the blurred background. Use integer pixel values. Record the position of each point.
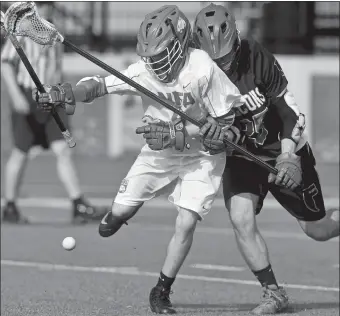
(304, 36)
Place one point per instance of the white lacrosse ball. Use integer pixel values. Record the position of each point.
(69, 243)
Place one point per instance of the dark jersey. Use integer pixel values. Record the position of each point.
(261, 81)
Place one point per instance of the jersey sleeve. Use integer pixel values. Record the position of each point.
(270, 73)
(218, 94)
(117, 86)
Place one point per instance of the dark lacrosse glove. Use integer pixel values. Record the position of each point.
(55, 95)
(212, 136)
(289, 171)
(160, 135)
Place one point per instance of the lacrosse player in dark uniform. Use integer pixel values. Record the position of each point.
(272, 128)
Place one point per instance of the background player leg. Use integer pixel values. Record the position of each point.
(323, 229)
(177, 251)
(82, 209)
(14, 172)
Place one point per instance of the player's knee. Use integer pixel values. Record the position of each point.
(186, 223)
(124, 212)
(315, 230)
(61, 150)
(18, 156)
(242, 215)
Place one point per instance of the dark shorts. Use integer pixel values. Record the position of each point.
(244, 176)
(35, 129)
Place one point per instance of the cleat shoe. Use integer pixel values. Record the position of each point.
(274, 301)
(109, 225)
(12, 215)
(160, 301)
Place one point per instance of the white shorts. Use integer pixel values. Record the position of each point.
(195, 180)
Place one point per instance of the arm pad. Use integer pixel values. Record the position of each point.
(293, 121)
(90, 88)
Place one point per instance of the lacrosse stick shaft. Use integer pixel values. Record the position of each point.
(65, 132)
(165, 103)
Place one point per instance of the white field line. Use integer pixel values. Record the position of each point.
(49, 202)
(133, 271)
(230, 232)
(216, 267)
(65, 204)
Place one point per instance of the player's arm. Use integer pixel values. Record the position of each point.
(275, 83)
(9, 61)
(87, 90)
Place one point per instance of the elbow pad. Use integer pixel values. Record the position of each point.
(91, 88)
(298, 129)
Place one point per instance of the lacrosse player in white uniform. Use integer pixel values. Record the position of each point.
(176, 152)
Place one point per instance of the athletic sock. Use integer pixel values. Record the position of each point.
(165, 281)
(266, 276)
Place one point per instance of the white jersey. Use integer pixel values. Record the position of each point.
(200, 89)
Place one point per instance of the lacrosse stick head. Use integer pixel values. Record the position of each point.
(22, 19)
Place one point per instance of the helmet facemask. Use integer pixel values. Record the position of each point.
(228, 63)
(164, 65)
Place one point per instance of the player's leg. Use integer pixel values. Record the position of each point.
(177, 251)
(23, 139)
(82, 209)
(310, 210)
(244, 188)
(323, 229)
(193, 195)
(148, 175)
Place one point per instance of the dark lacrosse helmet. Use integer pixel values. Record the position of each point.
(162, 42)
(215, 32)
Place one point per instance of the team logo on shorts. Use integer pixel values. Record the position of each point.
(309, 195)
(123, 186)
(180, 25)
(179, 126)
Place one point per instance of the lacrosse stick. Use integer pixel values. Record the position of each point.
(65, 132)
(22, 19)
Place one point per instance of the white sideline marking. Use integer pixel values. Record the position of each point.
(230, 232)
(65, 203)
(135, 271)
(216, 267)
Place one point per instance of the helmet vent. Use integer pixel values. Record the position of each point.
(147, 28)
(210, 13)
(199, 31)
(160, 31)
(211, 29)
(173, 13)
(223, 27)
(226, 14)
(154, 17)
